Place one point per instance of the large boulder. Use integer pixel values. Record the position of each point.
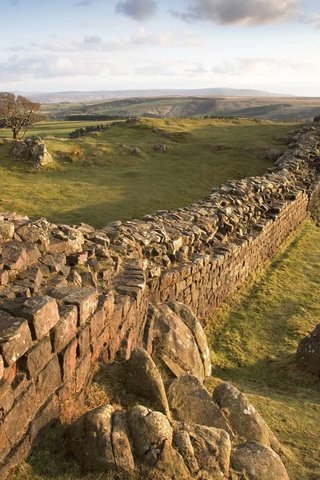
(141, 377)
(245, 421)
(308, 353)
(190, 402)
(205, 450)
(32, 149)
(174, 347)
(191, 321)
(258, 462)
(149, 431)
(98, 441)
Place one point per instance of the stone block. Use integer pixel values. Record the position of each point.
(20, 452)
(6, 397)
(37, 358)
(44, 419)
(42, 312)
(82, 372)
(86, 299)
(68, 361)
(97, 323)
(17, 420)
(83, 342)
(15, 337)
(65, 329)
(49, 380)
(1, 367)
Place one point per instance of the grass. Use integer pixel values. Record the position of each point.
(254, 339)
(109, 182)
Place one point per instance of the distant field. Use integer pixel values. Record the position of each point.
(263, 108)
(254, 340)
(111, 180)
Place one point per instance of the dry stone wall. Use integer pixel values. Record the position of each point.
(71, 297)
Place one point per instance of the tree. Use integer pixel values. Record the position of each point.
(17, 113)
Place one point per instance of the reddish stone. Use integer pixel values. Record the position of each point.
(86, 299)
(43, 314)
(16, 455)
(1, 367)
(68, 361)
(99, 344)
(55, 262)
(44, 419)
(6, 397)
(10, 372)
(83, 341)
(49, 380)
(4, 277)
(82, 372)
(66, 329)
(15, 337)
(19, 384)
(4, 444)
(17, 420)
(97, 323)
(36, 359)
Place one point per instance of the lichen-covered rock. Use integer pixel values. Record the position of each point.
(258, 462)
(89, 440)
(308, 353)
(33, 149)
(191, 403)
(141, 377)
(175, 347)
(149, 431)
(245, 421)
(205, 450)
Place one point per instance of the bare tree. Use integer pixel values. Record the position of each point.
(17, 113)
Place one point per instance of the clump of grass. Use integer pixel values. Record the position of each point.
(254, 339)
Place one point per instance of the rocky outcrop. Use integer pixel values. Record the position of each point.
(308, 353)
(243, 417)
(191, 403)
(258, 462)
(175, 348)
(193, 441)
(33, 150)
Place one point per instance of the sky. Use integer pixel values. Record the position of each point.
(62, 45)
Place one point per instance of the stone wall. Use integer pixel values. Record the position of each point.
(73, 297)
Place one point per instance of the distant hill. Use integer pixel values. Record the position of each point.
(263, 108)
(78, 96)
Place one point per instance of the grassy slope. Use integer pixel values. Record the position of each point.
(286, 108)
(110, 183)
(254, 340)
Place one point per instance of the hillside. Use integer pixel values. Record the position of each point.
(263, 107)
(83, 96)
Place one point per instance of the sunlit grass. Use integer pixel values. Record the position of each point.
(111, 183)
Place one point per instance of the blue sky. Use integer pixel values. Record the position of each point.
(60, 45)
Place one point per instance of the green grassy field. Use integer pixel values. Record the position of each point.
(110, 182)
(254, 340)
